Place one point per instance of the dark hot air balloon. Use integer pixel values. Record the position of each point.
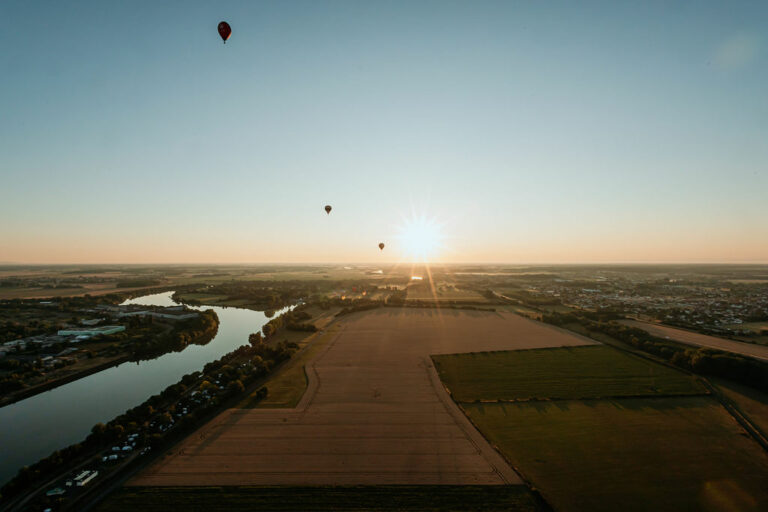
(381, 246)
(328, 209)
(225, 31)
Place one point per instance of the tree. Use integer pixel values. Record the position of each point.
(99, 430)
(255, 338)
(236, 387)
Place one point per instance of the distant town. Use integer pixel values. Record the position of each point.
(713, 304)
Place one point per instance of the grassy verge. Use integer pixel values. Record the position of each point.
(287, 386)
(751, 402)
(361, 498)
(559, 373)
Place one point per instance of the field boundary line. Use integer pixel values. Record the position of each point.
(581, 398)
(313, 377)
(731, 408)
(498, 464)
(741, 418)
(587, 339)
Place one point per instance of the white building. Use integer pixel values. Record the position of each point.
(91, 331)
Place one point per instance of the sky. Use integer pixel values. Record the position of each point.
(525, 132)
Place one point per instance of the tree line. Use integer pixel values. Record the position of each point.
(199, 330)
(294, 320)
(704, 361)
(233, 380)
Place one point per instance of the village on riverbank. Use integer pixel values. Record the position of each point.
(68, 340)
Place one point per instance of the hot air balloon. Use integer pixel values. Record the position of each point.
(328, 209)
(225, 31)
(381, 246)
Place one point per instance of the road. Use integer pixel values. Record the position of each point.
(701, 340)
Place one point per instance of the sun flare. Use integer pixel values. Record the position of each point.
(421, 239)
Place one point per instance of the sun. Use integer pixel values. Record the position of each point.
(421, 239)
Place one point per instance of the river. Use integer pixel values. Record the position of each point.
(35, 427)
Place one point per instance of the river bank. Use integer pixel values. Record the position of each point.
(66, 379)
(64, 415)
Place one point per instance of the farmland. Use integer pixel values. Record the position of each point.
(629, 454)
(289, 384)
(654, 445)
(377, 415)
(581, 372)
(442, 292)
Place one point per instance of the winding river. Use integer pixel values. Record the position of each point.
(33, 428)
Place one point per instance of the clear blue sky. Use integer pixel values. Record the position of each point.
(530, 131)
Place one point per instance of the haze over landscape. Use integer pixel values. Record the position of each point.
(531, 133)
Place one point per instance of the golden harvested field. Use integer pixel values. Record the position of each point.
(701, 340)
(374, 412)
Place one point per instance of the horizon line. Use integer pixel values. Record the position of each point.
(397, 263)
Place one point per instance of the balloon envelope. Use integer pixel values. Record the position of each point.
(328, 209)
(225, 30)
(381, 246)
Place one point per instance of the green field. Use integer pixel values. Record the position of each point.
(682, 453)
(607, 430)
(359, 498)
(558, 373)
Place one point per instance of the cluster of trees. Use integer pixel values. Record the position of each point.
(360, 305)
(397, 297)
(264, 294)
(704, 361)
(15, 374)
(233, 380)
(46, 283)
(12, 282)
(138, 282)
(530, 299)
(295, 320)
(13, 330)
(199, 330)
(11, 383)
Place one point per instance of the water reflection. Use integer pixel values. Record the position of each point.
(35, 427)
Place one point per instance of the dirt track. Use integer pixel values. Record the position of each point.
(701, 340)
(374, 413)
